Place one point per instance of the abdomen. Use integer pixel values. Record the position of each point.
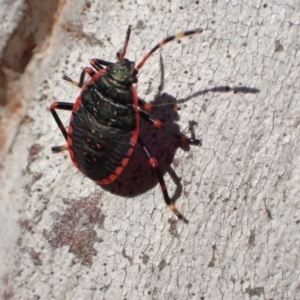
(102, 135)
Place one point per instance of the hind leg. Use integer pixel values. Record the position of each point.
(154, 165)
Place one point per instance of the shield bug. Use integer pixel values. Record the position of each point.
(104, 123)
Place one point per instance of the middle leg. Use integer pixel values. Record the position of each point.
(63, 106)
(160, 125)
(148, 107)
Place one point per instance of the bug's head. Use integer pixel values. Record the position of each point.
(123, 71)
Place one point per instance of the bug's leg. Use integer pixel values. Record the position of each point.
(160, 125)
(157, 107)
(154, 165)
(57, 149)
(80, 84)
(62, 106)
(98, 64)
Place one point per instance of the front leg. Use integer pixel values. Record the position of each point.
(80, 84)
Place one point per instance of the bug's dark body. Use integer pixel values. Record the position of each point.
(104, 124)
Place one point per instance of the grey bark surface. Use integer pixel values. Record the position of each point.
(64, 237)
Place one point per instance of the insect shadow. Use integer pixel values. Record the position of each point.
(138, 177)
